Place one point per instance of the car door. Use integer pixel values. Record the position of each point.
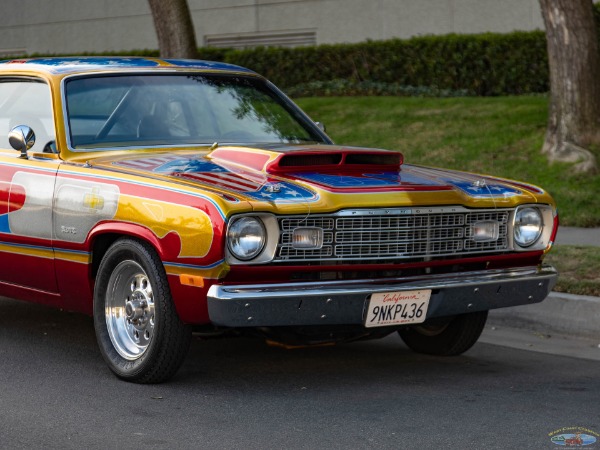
(27, 186)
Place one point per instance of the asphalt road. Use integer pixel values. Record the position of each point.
(238, 393)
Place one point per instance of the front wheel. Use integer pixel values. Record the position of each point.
(445, 337)
(139, 332)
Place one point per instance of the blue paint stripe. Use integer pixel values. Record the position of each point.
(75, 252)
(33, 247)
(87, 63)
(194, 266)
(4, 225)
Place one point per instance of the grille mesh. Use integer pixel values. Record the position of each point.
(393, 236)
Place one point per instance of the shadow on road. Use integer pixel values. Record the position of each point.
(32, 334)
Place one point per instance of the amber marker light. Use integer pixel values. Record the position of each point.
(191, 280)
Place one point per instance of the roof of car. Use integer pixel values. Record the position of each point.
(66, 65)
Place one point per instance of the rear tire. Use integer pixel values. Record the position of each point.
(445, 338)
(137, 327)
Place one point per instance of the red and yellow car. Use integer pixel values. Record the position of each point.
(165, 195)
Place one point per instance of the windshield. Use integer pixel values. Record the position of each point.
(147, 110)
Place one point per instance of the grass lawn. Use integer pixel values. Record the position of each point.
(579, 269)
(500, 136)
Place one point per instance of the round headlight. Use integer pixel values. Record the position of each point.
(528, 226)
(246, 238)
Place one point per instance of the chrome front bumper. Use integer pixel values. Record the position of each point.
(345, 302)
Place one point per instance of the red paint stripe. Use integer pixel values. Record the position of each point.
(252, 160)
(230, 181)
(147, 163)
(17, 198)
(4, 194)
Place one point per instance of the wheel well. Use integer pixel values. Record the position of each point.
(101, 244)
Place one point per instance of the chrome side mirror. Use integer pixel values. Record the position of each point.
(320, 126)
(21, 138)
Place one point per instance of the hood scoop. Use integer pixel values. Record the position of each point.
(338, 160)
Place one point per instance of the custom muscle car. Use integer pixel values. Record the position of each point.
(165, 196)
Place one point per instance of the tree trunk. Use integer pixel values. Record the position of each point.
(574, 61)
(174, 28)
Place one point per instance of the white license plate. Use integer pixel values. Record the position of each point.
(397, 308)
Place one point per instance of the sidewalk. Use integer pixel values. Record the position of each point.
(578, 236)
(560, 313)
(565, 314)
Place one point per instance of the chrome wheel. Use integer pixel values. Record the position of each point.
(129, 310)
(139, 332)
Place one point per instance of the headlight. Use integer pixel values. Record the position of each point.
(246, 238)
(528, 226)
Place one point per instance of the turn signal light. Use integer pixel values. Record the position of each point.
(307, 238)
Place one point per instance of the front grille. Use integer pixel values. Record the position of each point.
(394, 234)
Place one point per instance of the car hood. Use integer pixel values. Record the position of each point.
(323, 174)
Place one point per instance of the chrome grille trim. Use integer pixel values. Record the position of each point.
(390, 234)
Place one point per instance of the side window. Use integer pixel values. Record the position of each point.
(26, 102)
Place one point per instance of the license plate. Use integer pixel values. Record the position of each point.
(397, 308)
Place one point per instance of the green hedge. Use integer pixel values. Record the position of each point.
(481, 64)
(350, 88)
(485, 64)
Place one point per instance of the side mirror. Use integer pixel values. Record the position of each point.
(21, 138)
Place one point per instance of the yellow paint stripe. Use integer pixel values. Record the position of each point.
(81, 258)
(27, 251)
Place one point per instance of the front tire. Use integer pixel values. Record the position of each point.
(445, 337)
(137, 327)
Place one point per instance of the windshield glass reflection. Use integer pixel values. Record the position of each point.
(158, 110)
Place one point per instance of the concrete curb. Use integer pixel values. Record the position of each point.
(560, 313)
